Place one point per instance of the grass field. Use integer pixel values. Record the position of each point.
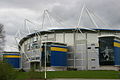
(70, 74)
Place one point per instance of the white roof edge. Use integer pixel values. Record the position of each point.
(52, 41)
(111, 35)
(35, 61)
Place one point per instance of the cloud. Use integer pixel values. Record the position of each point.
(10, 44)
(13, 13)
(107, 10)
(13, 19)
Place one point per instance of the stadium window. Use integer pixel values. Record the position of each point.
(89, 47)
(92, 59)
(93, 67)
(92, 44)
(96, 47)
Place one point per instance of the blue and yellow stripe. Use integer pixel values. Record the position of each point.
(11, 56)
(58, 48)
(116, 43)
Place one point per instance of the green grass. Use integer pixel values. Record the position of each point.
(71, 74)
(85, 74)
(22, 75)
(29, 75)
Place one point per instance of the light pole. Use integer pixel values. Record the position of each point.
(45, 56)
(45, 59)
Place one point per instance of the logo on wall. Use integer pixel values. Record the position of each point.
(107, 54)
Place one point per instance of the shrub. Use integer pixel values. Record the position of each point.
(6, 71)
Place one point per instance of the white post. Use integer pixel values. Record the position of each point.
(22, 49)
(45, 59)
(91, 18)
(45, 56)
(74, 50)
(49, 18)
(43, 20)
(79, 20)
(80, 17)
(25, 25)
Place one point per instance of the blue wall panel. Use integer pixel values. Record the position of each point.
(14, 62)
(58, 55)
(117, 55)
(12, 59)
(58, 58)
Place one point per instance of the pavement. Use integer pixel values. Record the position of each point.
(72, 79)
(83, 79)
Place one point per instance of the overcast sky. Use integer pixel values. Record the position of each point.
(13, 13)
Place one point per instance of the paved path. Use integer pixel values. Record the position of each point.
(84, 79)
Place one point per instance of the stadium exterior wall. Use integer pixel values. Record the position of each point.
(12, 58)
(83, 47)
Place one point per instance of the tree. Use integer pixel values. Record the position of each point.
(2, 40)
(6, 72)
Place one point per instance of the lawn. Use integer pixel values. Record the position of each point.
(70, 74)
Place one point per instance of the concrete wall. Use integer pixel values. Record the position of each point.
(79, 55)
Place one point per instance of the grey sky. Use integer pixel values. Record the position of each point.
(13, 12)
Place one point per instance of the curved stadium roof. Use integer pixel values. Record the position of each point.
(62, 30)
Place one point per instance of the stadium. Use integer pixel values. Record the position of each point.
(71, 49)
